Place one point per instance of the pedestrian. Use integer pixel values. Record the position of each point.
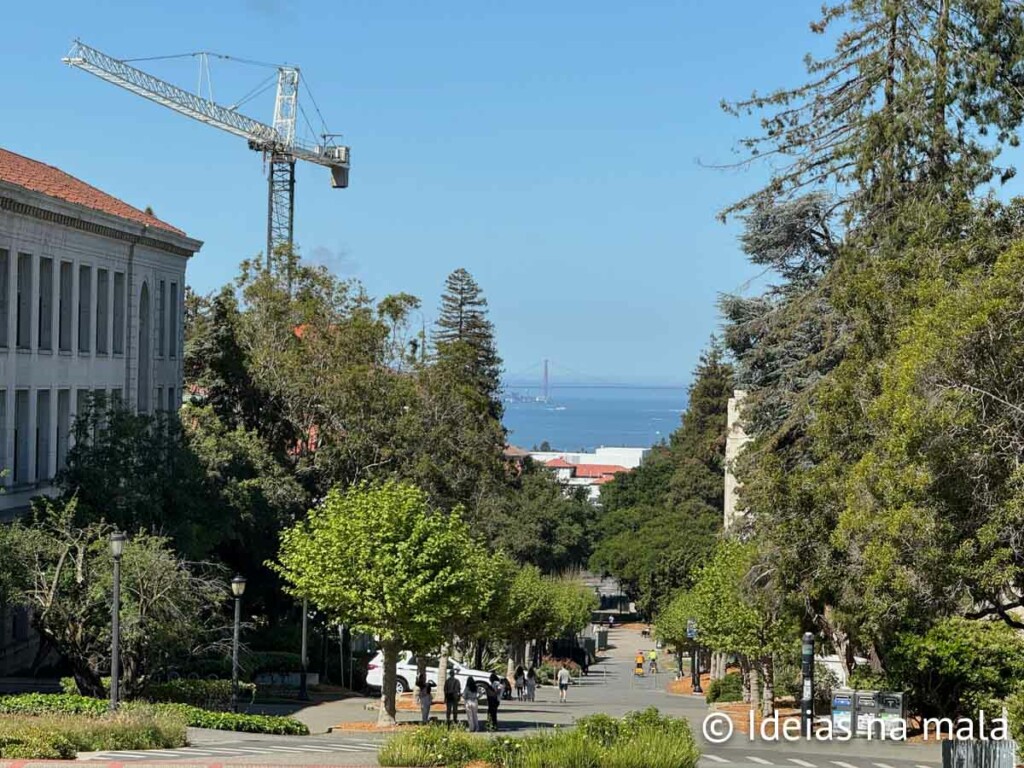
(492, 691)
(611, 621)
(470, 698)
(520, 678)
(585, 663)
(563, 683)
(452, 691)
(531, 684)
(423, 693)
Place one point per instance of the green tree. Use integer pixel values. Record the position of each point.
(382, 559)
(464, 335)
(170, 610)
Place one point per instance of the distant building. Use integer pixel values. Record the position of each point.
(735, 439)
(590, 470)
(91, 302)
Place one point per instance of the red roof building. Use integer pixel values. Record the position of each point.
(53, 182)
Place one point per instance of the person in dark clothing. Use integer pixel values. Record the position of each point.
(452, 692)
(492, 691)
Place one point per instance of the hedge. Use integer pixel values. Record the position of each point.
(195, 717)
(727, 688)
(208, 694)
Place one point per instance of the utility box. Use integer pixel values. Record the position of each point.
(865, 711)
(602, 639)
(891, 714)
(842, 712)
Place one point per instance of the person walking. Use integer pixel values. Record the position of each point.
(531, 684)
(470, 698)
(520, 678)
(563, 683)
(426, 698)
(452, 691)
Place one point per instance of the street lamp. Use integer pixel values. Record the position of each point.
(117, 539)
(237, 589)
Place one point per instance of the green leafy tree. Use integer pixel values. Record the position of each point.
(170, 610)
(382, 559)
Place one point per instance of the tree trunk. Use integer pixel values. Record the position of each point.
(386, 713)
(442, 672)
(745, 675)
(88, 682)
(755, 693)
(478, 655)
(768, 673)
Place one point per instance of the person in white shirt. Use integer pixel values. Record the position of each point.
(563, 683)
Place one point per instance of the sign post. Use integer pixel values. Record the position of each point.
(807, 694)
(691, 634)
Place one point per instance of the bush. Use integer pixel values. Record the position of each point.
(639, 740)
(958, 667)
(1015, 714)
(194, 717)
(208, 694)
(728, 688)
(62, 736)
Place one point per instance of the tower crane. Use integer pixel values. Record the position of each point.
(278, 142)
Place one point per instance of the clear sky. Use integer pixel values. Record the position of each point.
(556, 149)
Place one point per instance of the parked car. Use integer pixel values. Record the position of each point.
(406, 671)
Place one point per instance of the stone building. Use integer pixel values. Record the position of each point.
(91, 301)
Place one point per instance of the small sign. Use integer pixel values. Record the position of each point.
(691, 629)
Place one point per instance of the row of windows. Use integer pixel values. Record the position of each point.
(103, 325)
(35, 439)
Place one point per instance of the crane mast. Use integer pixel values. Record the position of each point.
(278, 142)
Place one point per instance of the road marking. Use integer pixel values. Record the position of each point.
(882, 765)
(842, 764)
(804, 763)
(716, 758)
(760, 760)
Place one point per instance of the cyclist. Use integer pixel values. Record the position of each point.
(652, 658)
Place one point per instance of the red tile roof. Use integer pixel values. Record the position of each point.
(47, 180)
(598, 470)
(559, 463)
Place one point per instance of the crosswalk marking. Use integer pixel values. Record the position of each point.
(842, 764)
(881, 765)
(804, 763)
(760, 760)
(716, 758)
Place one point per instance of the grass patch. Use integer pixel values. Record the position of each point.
(639, 740)
(195, 717)
(62, 736)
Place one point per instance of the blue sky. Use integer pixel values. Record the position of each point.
(557, 150)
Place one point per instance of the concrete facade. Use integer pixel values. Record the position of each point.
(736, 438)
(89, 303)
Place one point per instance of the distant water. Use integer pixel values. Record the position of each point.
(584, 418)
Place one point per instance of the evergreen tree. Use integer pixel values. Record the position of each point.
(464, 335)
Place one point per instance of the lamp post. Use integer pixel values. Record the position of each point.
(303, 689)
(807, 694)
(117, 539)
(237, 589)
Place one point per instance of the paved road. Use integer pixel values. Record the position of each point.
(318, 749)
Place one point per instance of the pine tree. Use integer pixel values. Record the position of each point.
(464, 337)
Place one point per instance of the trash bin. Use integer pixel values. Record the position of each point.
(891, 714)
(602, 639)
(866, 712)
(842, 712)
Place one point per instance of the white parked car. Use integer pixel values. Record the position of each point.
(405, 676)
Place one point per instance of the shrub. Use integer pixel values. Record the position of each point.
(958, 667)
(728, 688)
(639, 740)
(208, 694)
(432, 746)
(195, 717)
(1015, 714)
(62, 736)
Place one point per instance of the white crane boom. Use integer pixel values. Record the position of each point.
(279, 141)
